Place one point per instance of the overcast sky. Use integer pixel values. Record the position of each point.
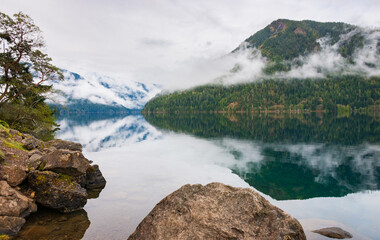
(160, 41)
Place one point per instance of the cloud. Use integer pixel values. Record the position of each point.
(156, 42)
(147, 40)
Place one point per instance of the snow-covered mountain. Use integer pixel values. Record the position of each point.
(94, 91)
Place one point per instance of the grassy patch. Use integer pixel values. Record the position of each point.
(3, 124)
(12, 144)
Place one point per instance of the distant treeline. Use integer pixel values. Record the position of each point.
(85, 106)
(332, 94)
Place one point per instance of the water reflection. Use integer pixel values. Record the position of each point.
(106, 130)
(49, 224)
(291, 129)
(302, 171)
(298, 157)
(292, 157)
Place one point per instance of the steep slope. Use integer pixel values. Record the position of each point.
(286, 39)
(94, 92)
(286, 44)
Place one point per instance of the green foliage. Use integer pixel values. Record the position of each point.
(37, 120)
(4, 124)
(273, 95)
(85, 106)
(285, 39)
(24, 68)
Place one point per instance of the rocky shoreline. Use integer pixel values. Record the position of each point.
(54, 174)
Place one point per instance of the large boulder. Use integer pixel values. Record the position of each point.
(13, 208)
(64, 161)
(217, 211)
(57, 191)
(62, 144)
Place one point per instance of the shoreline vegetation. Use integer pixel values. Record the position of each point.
(342, 95)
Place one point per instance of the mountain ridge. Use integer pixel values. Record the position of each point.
(309, 66)
(97, 93)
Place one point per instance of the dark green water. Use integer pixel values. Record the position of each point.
(289, 145)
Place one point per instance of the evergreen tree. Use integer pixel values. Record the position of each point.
(24, 68)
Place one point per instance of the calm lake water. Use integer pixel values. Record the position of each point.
(323, 170)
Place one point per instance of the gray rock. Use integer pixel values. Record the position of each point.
(68, 162)
(62, 144)
(94, 178)
(34, 161)
(333, 232)
(31, 142)
(14, 174)
(10, 225)
(34, 151)
(57, 191)
(217, 211)
(13, 203)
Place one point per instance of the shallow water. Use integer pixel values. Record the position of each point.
(323, 170)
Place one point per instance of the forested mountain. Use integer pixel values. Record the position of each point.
(286, 39)
(309, 66)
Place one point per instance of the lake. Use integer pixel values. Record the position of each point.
(322, 169)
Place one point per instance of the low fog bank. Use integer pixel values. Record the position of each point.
(247, 64)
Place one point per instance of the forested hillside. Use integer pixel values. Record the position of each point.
(328, 94)
(286, 39)
(340, 62)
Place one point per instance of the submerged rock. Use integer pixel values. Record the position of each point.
(10, 225)
(217, 211)
(333, 232)
(52, 225)
(57, 191)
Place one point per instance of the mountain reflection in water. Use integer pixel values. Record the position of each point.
(292, 157)
(312, 167)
